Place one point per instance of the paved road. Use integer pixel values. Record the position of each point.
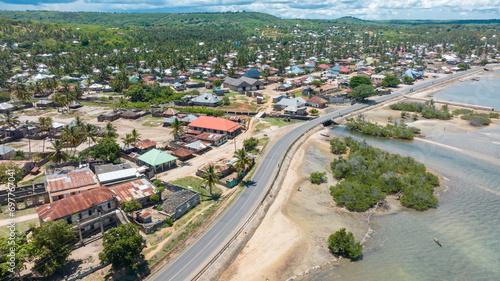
(197, 256)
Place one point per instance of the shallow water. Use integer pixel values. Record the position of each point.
(483, 92)
(467, 220)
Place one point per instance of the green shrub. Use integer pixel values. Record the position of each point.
(337, 146)
(397, 131)
(317, 177)
(369, 172)
(427, 109)
(131, 206)
(343, 244)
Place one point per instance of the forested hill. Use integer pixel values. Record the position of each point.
(225, 19)
(241, 19)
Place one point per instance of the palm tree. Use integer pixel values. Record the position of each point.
(110, 131)
(121, 102)
(90, 132)
(177, 128)
(210, 176)
(135, 137)
(243, 160)
(72, 136)
(60, 100)
(58, 155)
(10, 120)
(79, 122)
(45, 124)
(127, 140)
(28, 124)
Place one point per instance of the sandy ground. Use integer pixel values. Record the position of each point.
(292, 236)
(427, 126)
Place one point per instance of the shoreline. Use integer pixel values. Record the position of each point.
(291, 240)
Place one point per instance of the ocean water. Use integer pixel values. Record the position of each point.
(485, 92)
(466, 222)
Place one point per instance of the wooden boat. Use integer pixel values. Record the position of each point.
(437, 242)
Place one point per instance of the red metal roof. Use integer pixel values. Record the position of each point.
(74, 204)
(171, 112)
(133, 190)
(215, 123)
(182, 152)
(212, 137)
(147, 143)
(69, 180)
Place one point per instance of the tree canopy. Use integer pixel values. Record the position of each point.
(344, 244)
(359, 80)
(122, 246)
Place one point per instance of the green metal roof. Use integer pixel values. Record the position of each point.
(156, 157)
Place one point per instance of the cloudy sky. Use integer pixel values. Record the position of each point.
(319, 9)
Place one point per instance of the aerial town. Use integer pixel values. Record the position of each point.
(120, 153)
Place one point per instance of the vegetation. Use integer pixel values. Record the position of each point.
(362, 92)
(343, 244)
(50, 246)
(427, 109)
(21, 254)
(177, 129)
(358, 81)
(370, 173)
(408, 80)
(106, 149)
(250, 144)
(392, 130)
(390, 80)
(211, 177)
(337, 146)
(474, 118)
(131, 206)
(122, 246)
(314, 111)
(317, 177)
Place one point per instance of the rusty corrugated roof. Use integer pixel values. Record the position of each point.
(69, 180)
(74, 204)
(147, 143)
(133, 190)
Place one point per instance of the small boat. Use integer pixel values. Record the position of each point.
(437, 242)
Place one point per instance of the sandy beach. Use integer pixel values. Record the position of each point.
(292, 237)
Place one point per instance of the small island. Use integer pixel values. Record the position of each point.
(369, 174)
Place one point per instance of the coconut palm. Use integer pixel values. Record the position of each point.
(243, 159)
(210, 176)
(177, 128)
(28, 124)
(10, 120)
(72, 136)
(90, 132)
(110, 131)
(60, 100)
(79, 122)
(45, 123)
(135, 137)
(127, 141)
(58, 155)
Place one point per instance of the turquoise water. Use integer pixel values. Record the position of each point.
(467, 220)
(485, 92)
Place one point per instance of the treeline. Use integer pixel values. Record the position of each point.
(391, 130)
(476, 119)
(369, 174)
(427, 109)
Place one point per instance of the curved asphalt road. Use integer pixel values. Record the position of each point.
(199, 254)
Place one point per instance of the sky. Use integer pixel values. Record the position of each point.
(311, 9)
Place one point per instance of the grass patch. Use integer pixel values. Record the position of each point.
(297, 94)
(20, 226)
(38, 179)
(277, 122)
(151, 124)
(196, 183)
(263, 141)
(86, 103)
(232, 94)
(19, 213)
(195, 223)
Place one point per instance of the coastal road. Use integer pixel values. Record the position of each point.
(193, 259)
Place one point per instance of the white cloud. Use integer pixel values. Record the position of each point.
(325, 9)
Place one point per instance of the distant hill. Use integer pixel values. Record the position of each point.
(240, 19)
(145, 19)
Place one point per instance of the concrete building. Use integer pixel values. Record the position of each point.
(243, 84)
(67, 184)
